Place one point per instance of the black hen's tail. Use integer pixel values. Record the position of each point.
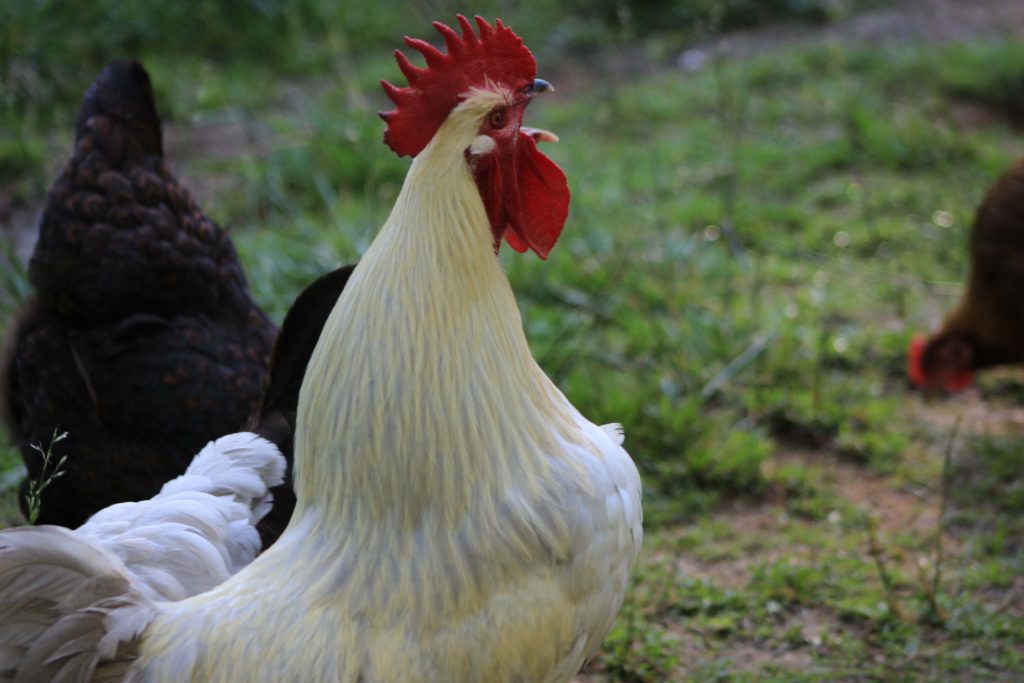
(275, 421)
(297, 338)
(119, 109)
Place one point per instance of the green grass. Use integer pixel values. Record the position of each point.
(11, 473)
(750, 248)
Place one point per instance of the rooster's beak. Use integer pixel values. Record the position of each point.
(540, 86)
(539, 134)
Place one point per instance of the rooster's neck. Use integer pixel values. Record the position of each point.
(422, 393)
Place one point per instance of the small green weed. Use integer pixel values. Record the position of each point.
(50, 471)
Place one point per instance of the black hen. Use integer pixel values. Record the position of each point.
(142, 341)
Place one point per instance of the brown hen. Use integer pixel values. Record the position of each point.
(986, 328)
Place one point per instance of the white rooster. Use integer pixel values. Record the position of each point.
(457, 518)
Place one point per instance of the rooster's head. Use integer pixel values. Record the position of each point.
(484, 82)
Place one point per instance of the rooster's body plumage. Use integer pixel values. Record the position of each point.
(457, 518)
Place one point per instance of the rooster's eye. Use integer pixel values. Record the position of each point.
(496, 119)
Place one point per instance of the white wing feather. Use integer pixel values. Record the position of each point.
(201, 528)
(74, 604)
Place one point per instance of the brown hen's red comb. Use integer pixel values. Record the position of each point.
(915, 362)
(496, 56)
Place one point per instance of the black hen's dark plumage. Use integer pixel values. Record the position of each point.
(142, 341)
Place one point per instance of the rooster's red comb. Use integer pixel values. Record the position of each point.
(497, 56)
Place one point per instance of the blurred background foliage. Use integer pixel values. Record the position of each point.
(297, 37)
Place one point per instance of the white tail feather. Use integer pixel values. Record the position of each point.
(66, 605)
